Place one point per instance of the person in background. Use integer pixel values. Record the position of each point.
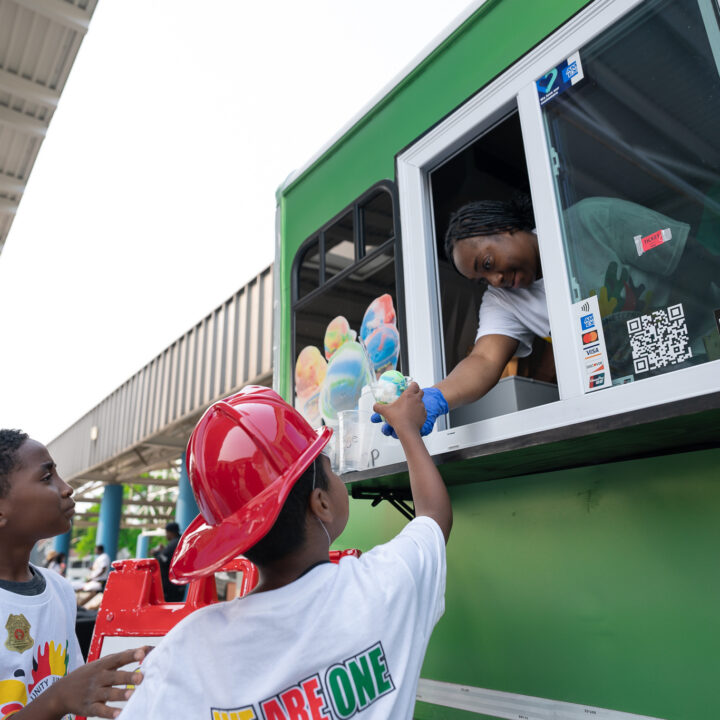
(164, 556)
(99, 571)
(56, 562)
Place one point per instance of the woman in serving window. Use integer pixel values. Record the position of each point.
(495, 243)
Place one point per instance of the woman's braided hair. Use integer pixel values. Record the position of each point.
(10, 441)
(488, 217)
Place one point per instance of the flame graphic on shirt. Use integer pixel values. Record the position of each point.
(53, 661)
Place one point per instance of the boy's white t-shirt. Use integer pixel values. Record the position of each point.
(343, 640)
(518, 313)
(39, 642)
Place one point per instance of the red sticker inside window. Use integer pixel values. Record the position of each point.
(643, 244)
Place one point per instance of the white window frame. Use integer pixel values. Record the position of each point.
(517, 87)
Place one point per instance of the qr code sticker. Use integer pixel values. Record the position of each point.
(659, 339)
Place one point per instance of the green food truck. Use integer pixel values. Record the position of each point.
(584, 563)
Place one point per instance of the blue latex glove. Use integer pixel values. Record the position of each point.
(435, 405)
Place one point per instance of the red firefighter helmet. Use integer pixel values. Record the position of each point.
(243, 458)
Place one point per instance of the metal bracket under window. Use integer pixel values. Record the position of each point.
(554, 161)
(396, 498)
(575, 286)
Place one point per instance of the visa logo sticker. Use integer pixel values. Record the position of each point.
(592, 351)
(568, 73)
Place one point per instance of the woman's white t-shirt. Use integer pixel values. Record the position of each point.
(517, 313)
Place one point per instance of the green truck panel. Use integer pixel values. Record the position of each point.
(595, 585)
(575, 574)
(488, 43)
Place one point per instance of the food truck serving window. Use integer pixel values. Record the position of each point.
(612, 124)
(347, 311)
(635, 137)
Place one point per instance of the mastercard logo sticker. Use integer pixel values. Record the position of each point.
(589, 337)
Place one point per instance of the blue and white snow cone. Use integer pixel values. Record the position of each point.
(390, 386)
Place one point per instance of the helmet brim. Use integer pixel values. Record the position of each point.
(204, 548)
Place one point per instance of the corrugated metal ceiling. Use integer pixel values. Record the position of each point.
(39, 40)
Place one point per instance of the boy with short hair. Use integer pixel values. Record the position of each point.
(313, 641)
(42, 676)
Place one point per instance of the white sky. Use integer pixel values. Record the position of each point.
(153, 196)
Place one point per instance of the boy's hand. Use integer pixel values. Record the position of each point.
(434, 403)
(407, 412)
(87, 690)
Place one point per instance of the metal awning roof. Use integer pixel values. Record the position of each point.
(39, 41)
(145, 424)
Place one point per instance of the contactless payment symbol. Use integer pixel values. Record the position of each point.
(568, 73)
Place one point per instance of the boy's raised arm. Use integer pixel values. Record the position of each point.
(430, 496)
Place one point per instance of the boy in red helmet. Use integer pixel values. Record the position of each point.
(313, 641)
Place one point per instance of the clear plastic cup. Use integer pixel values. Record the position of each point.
(354, 436)
(331, 449)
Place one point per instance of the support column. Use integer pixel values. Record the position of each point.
(143, 546)
(108, 528)
(186, 509)
(61, 543)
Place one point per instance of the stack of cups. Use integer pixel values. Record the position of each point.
(354, 433)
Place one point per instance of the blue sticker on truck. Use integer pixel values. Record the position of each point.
(568, 73)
